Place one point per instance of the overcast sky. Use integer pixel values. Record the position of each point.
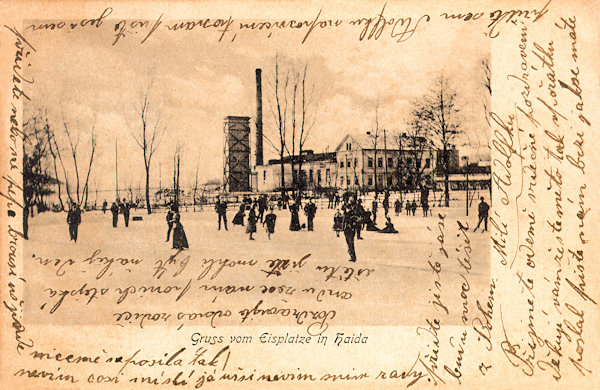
(198, 81)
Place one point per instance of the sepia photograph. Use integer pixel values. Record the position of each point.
(194, 150)
(299, 195)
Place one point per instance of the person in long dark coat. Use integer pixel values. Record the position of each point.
(413, 207)
(238, 219)
(386, 203)
(310, 210)
(74, 219)
(251, 227)
(170, 221)
(104, 206)
(338, 220)
(374, 209)
(360, 214)
(270, 222)
(397, 207)
(262, 207)
(114, 209)
(370, 225)
(295, 219)
(124, 209)
(179, 237)
(349, 224)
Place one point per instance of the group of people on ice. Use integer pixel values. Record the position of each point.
(260, 211)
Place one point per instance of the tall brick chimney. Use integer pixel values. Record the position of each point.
(259, 120)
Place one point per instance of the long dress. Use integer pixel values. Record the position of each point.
(337, 222)
(270, 223)
(389, 228)
(295, 221)
(251, 227)
(370, 224)
(179, 238)
(238, 219)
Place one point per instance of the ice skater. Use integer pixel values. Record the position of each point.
(74, 219)
(483, 210)
(221, 209)
(295, 219)
(374, 209)
(251, 227)
(270, 223)
(310, 210)
(338, 220)
(124, 209)
(114, 209)
(170, 221)
(179, 237)
(238, 219)
(349, 226)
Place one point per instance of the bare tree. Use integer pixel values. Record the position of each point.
(438, 115)
(308, 114)
(196, 183)
(176, 172)
(279, 111)
(37, 183)
(293, 105)
(149, 135)
(374, 136)
(80, 195)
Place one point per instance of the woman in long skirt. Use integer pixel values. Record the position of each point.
(295, 220)
(179, 237)
(251, 227)
(238, 219)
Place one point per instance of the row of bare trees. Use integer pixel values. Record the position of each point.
(45, 150)
(294, 106)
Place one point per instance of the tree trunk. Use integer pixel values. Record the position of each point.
(282, 176)
(148, 207)
(446, 178)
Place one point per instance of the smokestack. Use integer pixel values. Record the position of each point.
(259, 121)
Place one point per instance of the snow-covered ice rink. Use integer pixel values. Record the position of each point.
(393, 279)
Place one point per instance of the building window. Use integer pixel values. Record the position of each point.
(348, 181)
(370, 162)
(380, 162)
(355, 180)
(389, 181)
(341, 180)
(318, 176)
(348, 147)
(390, 162)
(355, 162)
(370, 180)
(264, 176)
(341, 164)
(310, 176)
(327, 175)
(427, 162)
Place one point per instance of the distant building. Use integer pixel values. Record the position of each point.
(356, 163)
(365, 162)
(317, 171)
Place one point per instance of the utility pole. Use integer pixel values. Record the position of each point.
(116, 169)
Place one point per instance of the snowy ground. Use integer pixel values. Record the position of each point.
(397, 292)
